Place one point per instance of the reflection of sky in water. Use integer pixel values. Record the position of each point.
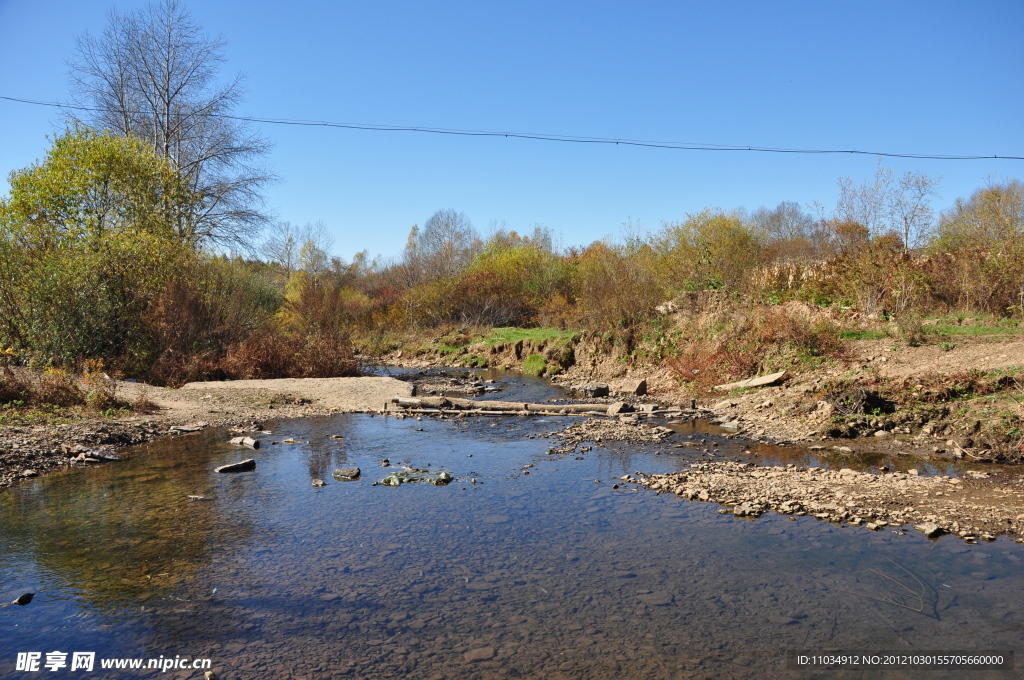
(551, 573)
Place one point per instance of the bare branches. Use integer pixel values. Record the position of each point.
(886, 203)
(445, 245)
(152, 74)
(903, 596)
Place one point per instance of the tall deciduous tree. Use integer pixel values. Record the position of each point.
(152, 74)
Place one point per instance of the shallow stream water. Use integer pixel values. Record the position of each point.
(541, 572)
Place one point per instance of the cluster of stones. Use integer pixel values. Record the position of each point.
(625, 429)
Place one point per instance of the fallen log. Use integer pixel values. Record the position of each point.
(486, 405)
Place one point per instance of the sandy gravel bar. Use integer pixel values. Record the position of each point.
(28, 451)
(338, 394)
(975, 507)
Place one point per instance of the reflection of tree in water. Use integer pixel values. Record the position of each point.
(324, 452)
(126, 534)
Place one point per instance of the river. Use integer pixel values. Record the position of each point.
(509, 571)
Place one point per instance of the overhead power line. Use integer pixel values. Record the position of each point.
(572, 139)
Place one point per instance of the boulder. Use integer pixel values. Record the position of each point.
(594, 389)
(619, 407)
(347, 473)
(247, 465)
(635, 387)
(245, 441)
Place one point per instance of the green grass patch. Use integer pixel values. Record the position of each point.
(499, 336)
(534, 365)
(862, 335)
(974, 330)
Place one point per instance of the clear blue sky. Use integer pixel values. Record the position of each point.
(921, 77)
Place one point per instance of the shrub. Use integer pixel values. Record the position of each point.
(616, 290)
(710, 250)
(742, 342)
(280, 355)
(210, 306)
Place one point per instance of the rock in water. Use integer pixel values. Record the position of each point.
(23, 600)
(245, 441)
(347, 473)
(658, 599)
(479, 654)
(930, 530)
(619, 407)
(246, 465)
(319, 482)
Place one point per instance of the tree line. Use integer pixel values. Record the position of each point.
(113, 246)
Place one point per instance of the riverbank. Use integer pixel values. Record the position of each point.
(954, 396)
(41, 445)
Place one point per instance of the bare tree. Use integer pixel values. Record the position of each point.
(910, 208)
(786, 222)
(887, 203)
(153, 74)
(286, 243)
(445, 245)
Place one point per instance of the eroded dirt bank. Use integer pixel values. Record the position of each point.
(961, 397)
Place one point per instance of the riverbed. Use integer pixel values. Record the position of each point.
(528, 564)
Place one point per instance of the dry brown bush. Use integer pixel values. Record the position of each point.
(275, 355)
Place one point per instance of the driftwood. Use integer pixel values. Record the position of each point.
(456, 404)
(435, 405)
